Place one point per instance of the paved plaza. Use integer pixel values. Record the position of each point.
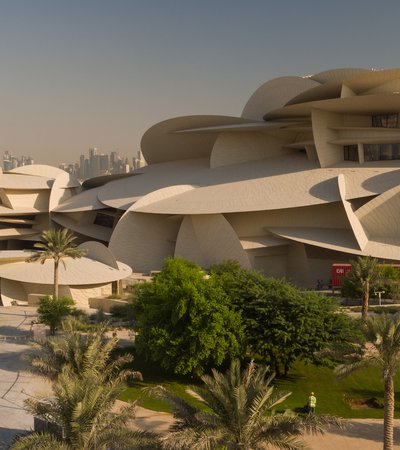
(16, 383)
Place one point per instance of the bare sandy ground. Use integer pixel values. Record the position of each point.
(361, 434)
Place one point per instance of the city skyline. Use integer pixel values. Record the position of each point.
(97, 163)
(81, 74)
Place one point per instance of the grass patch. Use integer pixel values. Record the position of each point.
(154, 375)
(333, 395)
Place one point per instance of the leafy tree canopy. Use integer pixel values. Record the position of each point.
(282, 322)
(185, 320)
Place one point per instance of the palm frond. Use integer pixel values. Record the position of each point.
(39, 441)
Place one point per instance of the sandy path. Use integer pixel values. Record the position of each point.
(361, 434)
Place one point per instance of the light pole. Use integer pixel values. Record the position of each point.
(379, 294)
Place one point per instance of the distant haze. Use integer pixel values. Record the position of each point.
(78, 74)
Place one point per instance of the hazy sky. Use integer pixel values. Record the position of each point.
(78, 74)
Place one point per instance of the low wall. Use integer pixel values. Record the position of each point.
(33, 299)
(105, 304)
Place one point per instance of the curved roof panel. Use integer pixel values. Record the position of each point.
(357, 104)
(120, 194)
(38, 170)
(24, 182)
(12, 233)
(358, 82)
(160, 143)
(99, 252)
(340, 240)
(80, 272)
(268, 173)
(90, 230)
(275, 183)
(274, 94)
(84, 201)
(91, 183)
(339, 74)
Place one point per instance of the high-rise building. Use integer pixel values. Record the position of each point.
(104, 164)
(82, 167)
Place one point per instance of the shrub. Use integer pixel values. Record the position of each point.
(51, 311)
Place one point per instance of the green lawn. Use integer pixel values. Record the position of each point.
(331, 394)
(153, 375)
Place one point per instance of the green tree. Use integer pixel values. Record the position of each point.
(185, 321)
(364, 275)
(56, 245)
(51, 311)
(382, 350)
(239, 414)
(283, 323)
(389, 282)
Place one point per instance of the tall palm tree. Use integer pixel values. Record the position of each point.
(382, 350)
(364, 275)
(239, 414)
(56, 245)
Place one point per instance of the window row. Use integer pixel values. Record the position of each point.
(386, 120)
(373, 152)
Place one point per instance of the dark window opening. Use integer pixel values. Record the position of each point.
(351, 153)
(104, 220)
(385, 120)
(381, 152)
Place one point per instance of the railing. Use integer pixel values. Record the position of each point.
(17, 338)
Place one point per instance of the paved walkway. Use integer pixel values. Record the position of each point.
(16, 384)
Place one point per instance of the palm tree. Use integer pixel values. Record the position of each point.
(364, 275)
(79, 351)
(87, 381)
(239, 414)
(382, 350)
(81, 417)
(56, 245)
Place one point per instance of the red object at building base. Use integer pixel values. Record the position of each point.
(339, 271)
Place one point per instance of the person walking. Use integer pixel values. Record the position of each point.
(311, 403)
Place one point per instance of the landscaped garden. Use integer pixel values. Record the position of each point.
(196, 338)
(352, 397)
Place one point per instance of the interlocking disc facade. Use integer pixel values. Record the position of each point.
(307, 176)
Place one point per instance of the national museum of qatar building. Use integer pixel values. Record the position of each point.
(307, 176)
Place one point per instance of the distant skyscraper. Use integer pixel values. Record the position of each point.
(87, 169)
(82, 167)
(104, 164)
(92, 152)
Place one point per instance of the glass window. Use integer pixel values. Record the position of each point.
(385, 120)
(350, 152)
(381, 152)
